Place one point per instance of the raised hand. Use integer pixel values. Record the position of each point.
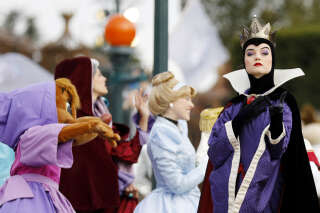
(278, 108)
(276, 117)
(249, 112)
(141, 104)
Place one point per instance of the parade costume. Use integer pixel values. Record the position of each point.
(94, 183)
(173, 161)
(6, 160)
(207, 119)
(257, 157)
(29, 123)
(314, 164)
(172, 155)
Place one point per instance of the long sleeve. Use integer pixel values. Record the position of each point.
(202, 151)
(222, 139)
(170, 161)
(143, 173)
(39, 146)
(279, 145)
(128, 151)
(124, 180)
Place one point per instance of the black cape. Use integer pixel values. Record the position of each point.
(299, 194)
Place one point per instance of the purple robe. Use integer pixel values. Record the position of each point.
(34, 182)
(25, 108)
(247, 175)
(125, 172)
(29, 124)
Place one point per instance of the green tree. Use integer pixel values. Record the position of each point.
(230, 15)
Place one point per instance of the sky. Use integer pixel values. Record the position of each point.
(85, 26)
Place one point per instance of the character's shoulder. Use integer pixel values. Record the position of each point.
(160, 128)
(234, 102)
(289, 99)
(162, 132)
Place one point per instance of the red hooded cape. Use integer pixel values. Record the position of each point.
(92, 182)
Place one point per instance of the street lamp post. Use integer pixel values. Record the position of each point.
(119, 33)
(160, 37)
(117, 6)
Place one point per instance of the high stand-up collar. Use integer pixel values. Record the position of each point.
(240, 82)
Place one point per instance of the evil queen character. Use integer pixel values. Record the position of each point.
(257, 157)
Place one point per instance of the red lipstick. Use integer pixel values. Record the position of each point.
(257, 64)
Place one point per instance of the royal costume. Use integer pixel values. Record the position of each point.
(97, 180)
(258, 162)
(30, 125)
(177, 177)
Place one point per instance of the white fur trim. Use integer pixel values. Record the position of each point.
(249, 174)
(277, 140)
(308, 145)
(234, 166)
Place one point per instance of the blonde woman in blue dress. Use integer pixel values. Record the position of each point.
(170, 150)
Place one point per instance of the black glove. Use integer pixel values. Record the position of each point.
(248, 112)
(276, 117)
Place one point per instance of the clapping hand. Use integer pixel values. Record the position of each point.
(141, 103)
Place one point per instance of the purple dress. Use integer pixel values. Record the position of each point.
(247, 167)
(35, 173)
(253, 172)
(29, 124)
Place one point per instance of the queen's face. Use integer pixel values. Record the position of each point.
(99, 84)
(258, 59)
(182, 108)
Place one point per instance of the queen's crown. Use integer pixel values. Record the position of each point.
(257, 31)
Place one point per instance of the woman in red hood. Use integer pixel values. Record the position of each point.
(101, 178)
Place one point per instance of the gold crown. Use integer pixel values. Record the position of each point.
(208, 117)
(257, 31)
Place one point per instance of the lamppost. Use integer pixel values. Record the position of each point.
(117, 6)
(119, 33)
(160, 37)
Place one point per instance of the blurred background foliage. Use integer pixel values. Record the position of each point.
(230, 15)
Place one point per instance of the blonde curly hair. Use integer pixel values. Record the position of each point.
(162, 93)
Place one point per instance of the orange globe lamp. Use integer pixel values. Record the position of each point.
(119, 31)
